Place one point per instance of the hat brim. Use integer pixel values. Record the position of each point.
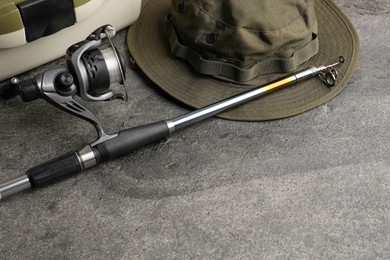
(150, 49)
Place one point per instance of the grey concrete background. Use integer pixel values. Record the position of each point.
(314, 186)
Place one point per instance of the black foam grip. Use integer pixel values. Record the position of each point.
(131, 139)
(54, 170)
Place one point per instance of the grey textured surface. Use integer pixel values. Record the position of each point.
(314, 186)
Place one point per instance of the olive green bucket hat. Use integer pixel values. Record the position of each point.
(202, 51)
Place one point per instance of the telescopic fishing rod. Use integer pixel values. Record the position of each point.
(108, 147)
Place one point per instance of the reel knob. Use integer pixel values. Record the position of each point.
(63, 84)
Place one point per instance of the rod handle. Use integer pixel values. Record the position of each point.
(54, 170)
(131, 139)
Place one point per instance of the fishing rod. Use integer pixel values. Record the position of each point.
(108, 147)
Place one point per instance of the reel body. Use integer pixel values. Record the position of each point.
(90, 72)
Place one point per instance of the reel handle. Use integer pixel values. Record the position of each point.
(27, 90)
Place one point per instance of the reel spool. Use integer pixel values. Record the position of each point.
(96, 69)
(92, 69)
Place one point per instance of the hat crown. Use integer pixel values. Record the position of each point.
(244, 31)
(255, 15)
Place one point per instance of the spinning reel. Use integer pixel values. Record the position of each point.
(90, 72)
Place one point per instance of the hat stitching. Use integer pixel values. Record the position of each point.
(252, 30)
